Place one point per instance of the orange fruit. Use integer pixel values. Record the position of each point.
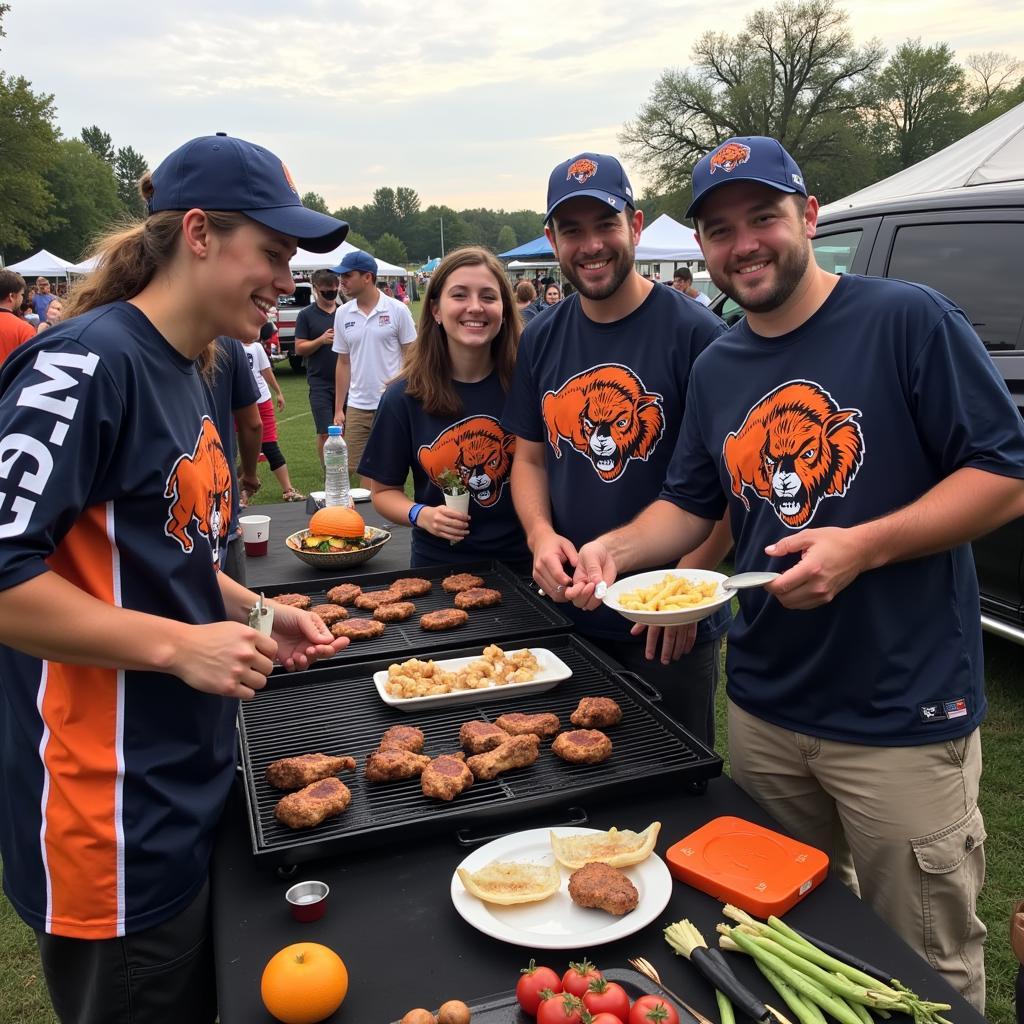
(337, 521)
(304, 983)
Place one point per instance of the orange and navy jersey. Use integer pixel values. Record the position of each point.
(115, 479)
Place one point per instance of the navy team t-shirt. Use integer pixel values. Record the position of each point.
(882, 393)
(607, 402)
(474, 445)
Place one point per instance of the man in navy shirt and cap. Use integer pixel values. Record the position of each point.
(859, 437)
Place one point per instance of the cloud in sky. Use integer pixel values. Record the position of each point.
(470, 103)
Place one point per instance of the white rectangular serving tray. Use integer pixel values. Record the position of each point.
(551, 671)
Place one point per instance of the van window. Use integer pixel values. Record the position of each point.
(972, 265)
(835, 253)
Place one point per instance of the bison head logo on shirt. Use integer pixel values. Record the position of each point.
(200, 486)
(795, 447)
(607, 415)
(478, 450)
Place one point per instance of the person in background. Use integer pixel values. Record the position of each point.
(14, 331)
(400, 292)
(263, 374)
(860, 437)
(54, 314)
(385, 289)
(42, 298)
(442, 414)
(596, 404)
(234, 397)
(314, 340)
(682, 281)
(370, 333)
(123, 650)
(552, 294)
(525, 298)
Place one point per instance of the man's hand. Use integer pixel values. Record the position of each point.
(327, 338)
(339, 418)
(830, 560)
(302, 638)
(225, 658)
(593, 565)
(280, 401)
(550, 553)
(676, 640)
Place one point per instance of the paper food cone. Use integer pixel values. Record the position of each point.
(459, 502)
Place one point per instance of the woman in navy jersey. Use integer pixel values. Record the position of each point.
(442, 415)
(126, 649)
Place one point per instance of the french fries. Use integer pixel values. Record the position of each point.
(672, 594)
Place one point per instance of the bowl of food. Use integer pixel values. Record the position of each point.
(668, 597)
(337, 538)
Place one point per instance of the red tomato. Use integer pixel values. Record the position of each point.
(652, 1010)
(579, 976)
(561, 1009)
(606, 1018)
(607, 997)
(534, 980)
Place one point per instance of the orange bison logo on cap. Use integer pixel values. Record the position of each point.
(200, 485)
(607, 415)
(729, 157)
(582, 170)
(478, 450)
(796, 446)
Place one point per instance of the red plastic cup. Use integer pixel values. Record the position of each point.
(308, 900)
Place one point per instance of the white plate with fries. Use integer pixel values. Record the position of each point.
(550, 671)
(668, 597)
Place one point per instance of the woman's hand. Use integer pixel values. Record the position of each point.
(224, 658)
(302, 638)
(444, 522)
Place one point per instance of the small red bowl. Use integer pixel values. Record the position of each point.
(308, 900)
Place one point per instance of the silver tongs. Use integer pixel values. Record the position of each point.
(261, 616)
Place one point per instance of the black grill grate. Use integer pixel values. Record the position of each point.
(521, 612)
(340, 712)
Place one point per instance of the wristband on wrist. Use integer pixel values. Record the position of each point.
(414, 512)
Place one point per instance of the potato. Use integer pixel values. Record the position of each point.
(419, 1016)
(455, 1011)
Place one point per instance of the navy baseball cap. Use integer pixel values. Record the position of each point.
(589, 174)
(356, 260)
(217, 172)
(746, 158)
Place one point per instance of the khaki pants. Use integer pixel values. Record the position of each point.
(357, 432)
(901, 826)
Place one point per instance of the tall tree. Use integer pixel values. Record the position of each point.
(920, 102)
(28, 142)
(506, 238)
(129, 167)
(99, 142)
(356, 239)
(389, 247)
(315, 201)
(792, 73)
(991, 74)
(407, 203)
(85, 200)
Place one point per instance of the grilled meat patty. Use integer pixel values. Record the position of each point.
(397, 612)
(446, 777)
(403, 737)
(294, 600)
(344, 593)
(461, 581)
(477, 597)
(358, 629)
(582, 746)
(603, 887)
(412, 586)
(479, 737)
(596, 713)
(444, 618)
(330, 613)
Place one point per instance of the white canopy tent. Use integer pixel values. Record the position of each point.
(85, 267)
(303, 260)
(992, 155)
(665, 240)
(42, 264)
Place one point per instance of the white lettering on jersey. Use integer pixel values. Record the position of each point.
(36, 396)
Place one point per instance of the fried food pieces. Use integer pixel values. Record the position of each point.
(330, 613)
(411, 586)
(317, 802)
(509, 882)
(402, 737)
(344, 593)
(446, 777)
(397, 612)
(477, 597)
(603, 887)
(305, 769)
(515, 723)
(582, 746)
(443, 618)
(294, 600)
(358, 629)
(460, 581)
(416, 678)
(393, 764)
(479, 737)
(614, 847)
(515, 752)
(596, 713)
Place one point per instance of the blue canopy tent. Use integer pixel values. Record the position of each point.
(430, 266)
(538, 247)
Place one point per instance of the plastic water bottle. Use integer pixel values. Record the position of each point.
(336, 469)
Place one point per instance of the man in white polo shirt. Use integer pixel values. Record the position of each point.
(370, 331)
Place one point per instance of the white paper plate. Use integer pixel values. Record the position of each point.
(557, 923)
(552, 670)
(359, 493)
(674, 618)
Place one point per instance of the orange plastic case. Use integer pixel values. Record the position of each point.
(758, 870)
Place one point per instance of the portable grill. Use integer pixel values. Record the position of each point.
(338, 711)
(521, 612)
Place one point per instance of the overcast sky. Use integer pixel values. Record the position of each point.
(470, 102)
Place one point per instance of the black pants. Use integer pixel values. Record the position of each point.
(687, 686)
(163, 975)
(274, 456)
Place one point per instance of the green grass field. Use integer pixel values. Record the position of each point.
(22, 992)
